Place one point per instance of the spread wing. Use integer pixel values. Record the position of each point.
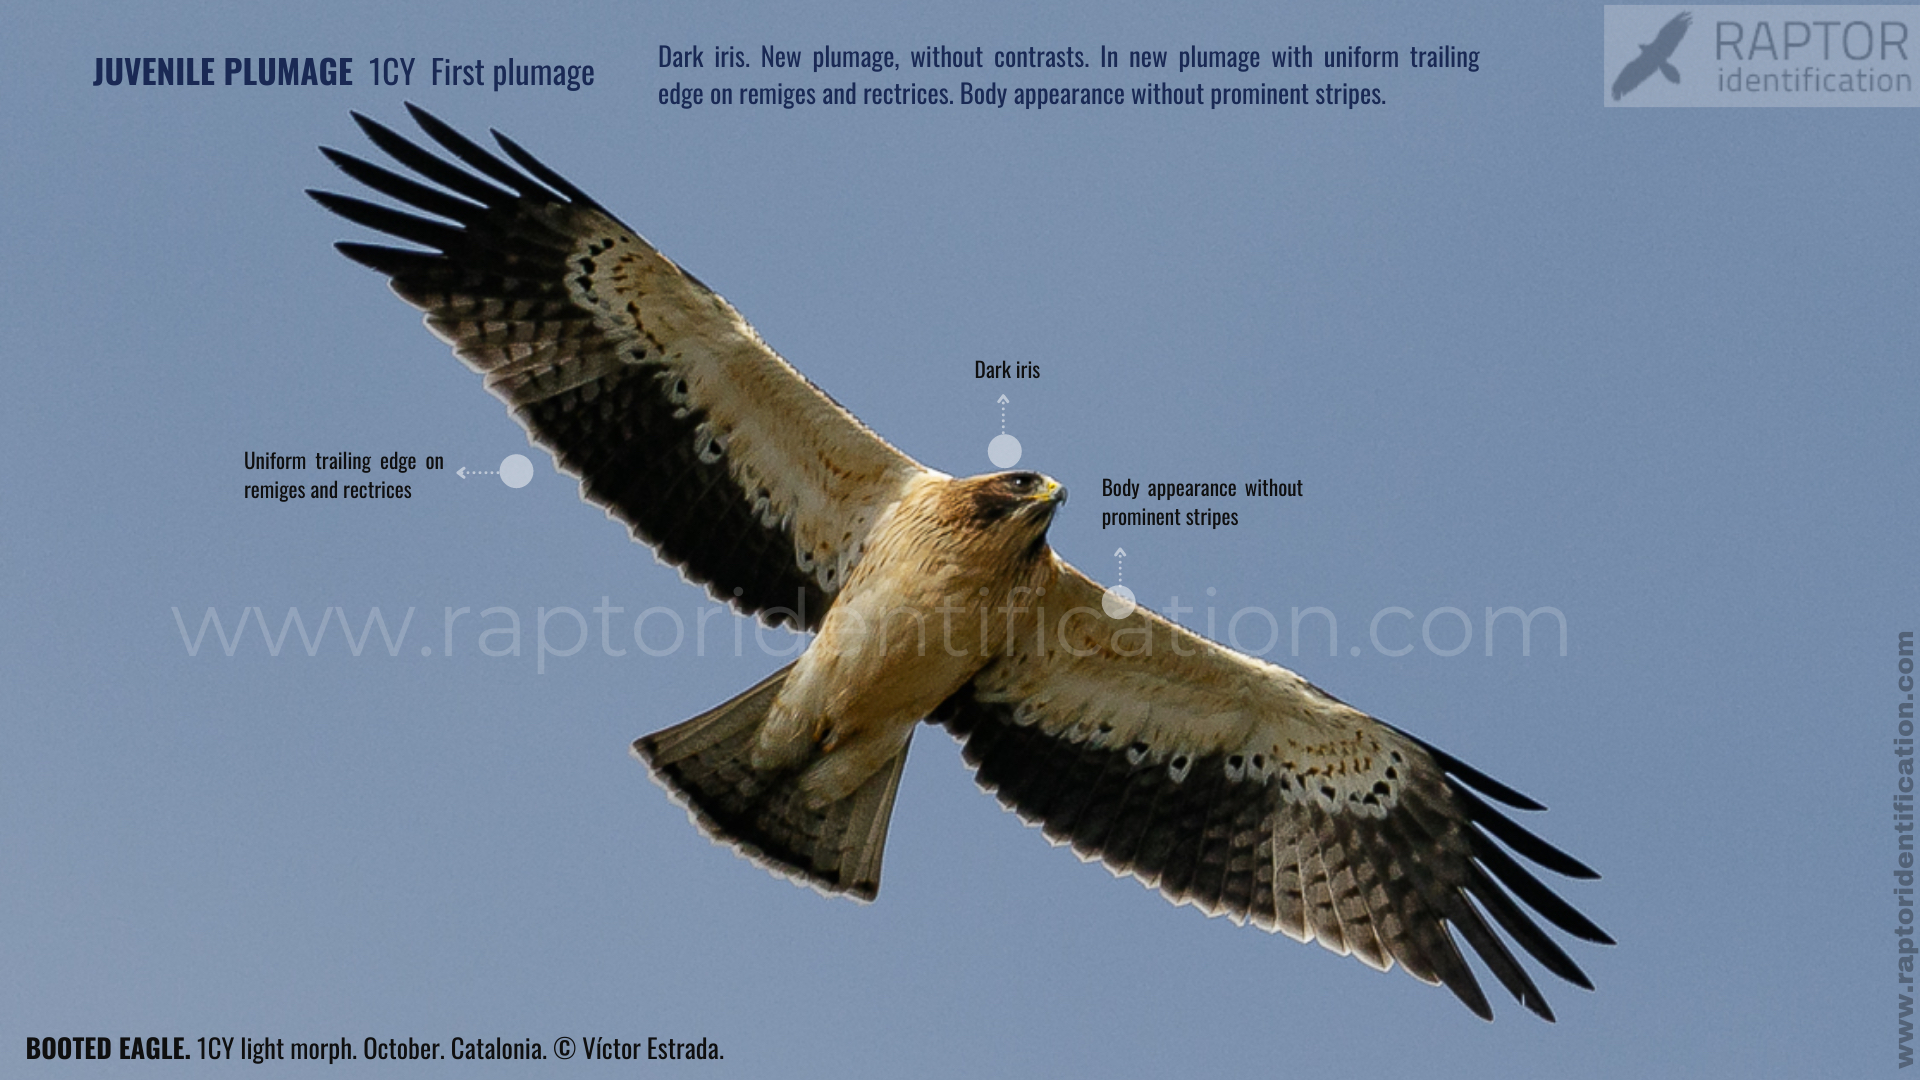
(1239, 787)
(1636, 72)
(1670, 35)
(640, 380)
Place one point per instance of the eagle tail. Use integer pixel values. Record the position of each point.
(706, 766)
(1672, 73)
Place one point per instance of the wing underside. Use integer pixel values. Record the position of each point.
(641, 381)
(1239, 788)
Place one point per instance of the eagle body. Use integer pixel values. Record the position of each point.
(1223, 781)
(921, 613)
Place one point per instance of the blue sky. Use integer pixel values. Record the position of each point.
(1652, 368)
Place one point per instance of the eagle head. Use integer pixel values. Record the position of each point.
(1021, 504)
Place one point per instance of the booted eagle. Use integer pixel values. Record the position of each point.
(1226, 782)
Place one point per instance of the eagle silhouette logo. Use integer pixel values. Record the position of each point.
(1654, 57)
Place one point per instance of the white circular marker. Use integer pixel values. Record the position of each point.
(426, 650)
(516, 471)
(1117, 602)
(1356, 650)
(1004, 451)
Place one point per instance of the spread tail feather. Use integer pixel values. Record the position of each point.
(704, 764)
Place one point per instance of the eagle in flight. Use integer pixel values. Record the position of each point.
(1224, 781)
(1654, 57)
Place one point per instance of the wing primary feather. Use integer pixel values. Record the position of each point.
(1538, 896)
(1452, 970)
(391, 261)
(541, 172)
(1481, 782)
(1412, 925)
(1520, 840)
(407, 191)
(403, 150)
(1468, 775)
(476, 155)
(1498, 958)
(392, 222)
(1523, 930)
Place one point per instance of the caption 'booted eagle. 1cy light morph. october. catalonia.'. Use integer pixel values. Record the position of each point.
(1222, 780)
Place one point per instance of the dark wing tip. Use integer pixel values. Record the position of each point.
(1470, 776)
(391, 261)
(476, 156)
(1484, 784)
(540, 171)
(372, 128)
(417, 195)
(1453, 972)
(430, 234)
(1494, 874)
(1524, 930)
(454, 179)
(1521, 840)
(1536, 895)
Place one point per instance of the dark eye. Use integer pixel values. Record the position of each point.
(1023, 482)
